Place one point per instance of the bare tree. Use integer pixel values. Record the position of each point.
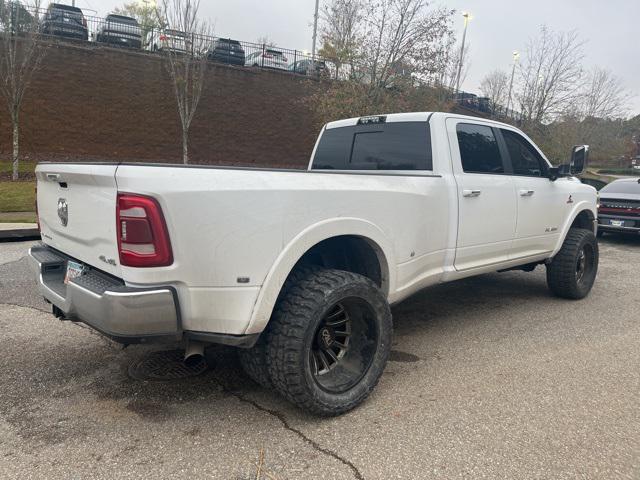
(404, 32)
(340, 36)
(395, 50)
(604, 96)
(265, 41)
(550, 75)
(447, 75)
(495, 87)
(21, 53)
(186, 68)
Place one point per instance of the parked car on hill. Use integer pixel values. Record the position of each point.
(225, 50)
(299, 267)
(268, 58)
(619, 208)
(64, 21)
(169, 40)
(305, 67)
(120, 30)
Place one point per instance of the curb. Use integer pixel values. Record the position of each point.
(19, 233)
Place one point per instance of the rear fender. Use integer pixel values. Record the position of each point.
(301, 244)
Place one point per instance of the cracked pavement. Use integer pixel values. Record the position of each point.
(489, 377)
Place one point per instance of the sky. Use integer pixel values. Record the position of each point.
(610, 28)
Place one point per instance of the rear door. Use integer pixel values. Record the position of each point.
(486, 195)
(77, 212)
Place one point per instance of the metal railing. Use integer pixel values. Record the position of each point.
(118, 32)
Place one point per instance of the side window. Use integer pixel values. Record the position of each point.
(479, 150)
(524, 158)
(387, 146)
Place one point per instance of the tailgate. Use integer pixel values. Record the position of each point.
(77, 212)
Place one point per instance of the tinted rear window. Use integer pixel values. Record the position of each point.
(68, 8)
(274, 52)
(389, 146)
(222, 43)
(622, 187)
(121, 19)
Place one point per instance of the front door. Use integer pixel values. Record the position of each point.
(486, 195)
(541, 203)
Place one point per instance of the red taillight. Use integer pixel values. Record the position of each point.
(143, 239)
(36, 202)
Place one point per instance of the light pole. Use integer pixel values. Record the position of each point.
(516, 56)
(315, 35)
(467, 17)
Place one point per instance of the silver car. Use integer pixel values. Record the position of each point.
(169, 40)
(267, 58)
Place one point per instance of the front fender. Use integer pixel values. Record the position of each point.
(301, 244)
(578, 207)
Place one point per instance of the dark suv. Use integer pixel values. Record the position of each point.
(64, 21)
(619, 209)
(120, 30)
(305, 67)
(225, 50)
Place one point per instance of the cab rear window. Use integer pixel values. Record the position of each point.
(386, 146)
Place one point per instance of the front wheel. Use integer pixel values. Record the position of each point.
(573, 270)
(328, 341)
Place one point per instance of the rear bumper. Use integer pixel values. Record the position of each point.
(228, 59)
(125, 314)
(66, 30)
(117, 39)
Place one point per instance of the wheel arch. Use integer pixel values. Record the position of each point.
(584, 215)
(359, 235)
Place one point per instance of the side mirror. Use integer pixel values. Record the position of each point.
(579, 156)
(563, 170)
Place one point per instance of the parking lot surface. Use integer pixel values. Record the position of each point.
(490, 377)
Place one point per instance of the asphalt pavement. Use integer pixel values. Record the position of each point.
(490, 377)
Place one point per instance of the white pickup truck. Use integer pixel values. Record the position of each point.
(298, 268)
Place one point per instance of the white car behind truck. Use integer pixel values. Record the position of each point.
(298, 268)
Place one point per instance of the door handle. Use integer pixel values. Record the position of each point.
(54, 177)
(471, 193)
(527, 193)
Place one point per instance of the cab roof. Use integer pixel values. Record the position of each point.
(405, 117)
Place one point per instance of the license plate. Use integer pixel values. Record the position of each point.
(617, 223)
(74, 270)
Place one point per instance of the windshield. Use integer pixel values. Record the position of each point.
(625, 186)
